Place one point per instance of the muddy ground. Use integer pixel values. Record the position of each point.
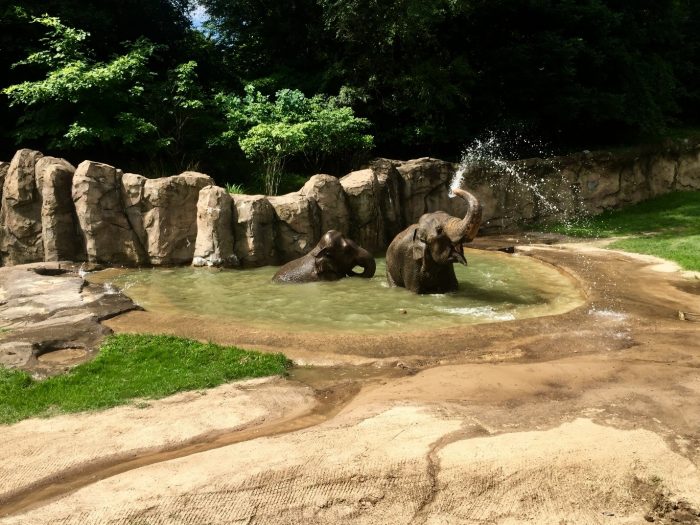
(592, 416)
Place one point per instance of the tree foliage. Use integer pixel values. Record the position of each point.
(132, 81)
(431, 74)
(272, 132)
(81, 101)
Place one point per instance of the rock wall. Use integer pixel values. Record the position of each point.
(588, 183)
(51, 211)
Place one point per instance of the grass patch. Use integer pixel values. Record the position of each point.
(131, 366)
(667, 226)
(235, 189)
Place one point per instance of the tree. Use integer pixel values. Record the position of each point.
(273, 132)
(592, 71)
(402, 64)
(273, 44)
(82, 101)
(118, 104)
(110, 23)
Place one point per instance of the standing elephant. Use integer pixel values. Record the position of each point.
(333, 258)
(420, 258)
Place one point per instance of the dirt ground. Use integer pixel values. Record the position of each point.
(588, 417)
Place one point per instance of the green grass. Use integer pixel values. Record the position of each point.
(131, 366)
(667, 226)
(236, 189)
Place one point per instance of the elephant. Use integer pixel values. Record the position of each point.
(333, 258)
(420, 258)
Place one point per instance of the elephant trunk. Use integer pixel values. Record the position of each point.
(461, 231)
(366, 261)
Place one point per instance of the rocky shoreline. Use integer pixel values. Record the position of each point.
(51, 318)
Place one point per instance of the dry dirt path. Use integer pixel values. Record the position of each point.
(587, 417)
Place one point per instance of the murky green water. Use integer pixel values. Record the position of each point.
(495, 287)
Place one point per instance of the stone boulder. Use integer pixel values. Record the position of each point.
(4, 167)
(253, 230)
(297, 225)
(425, 187)
(364, 193)
(169, 210)
(20, 215)
(132, 197)
(689, 171)
(59, 224)
(390, 204)
(214, 245)
(327, 192)
(108, 235)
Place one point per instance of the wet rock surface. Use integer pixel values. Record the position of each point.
(48, 307)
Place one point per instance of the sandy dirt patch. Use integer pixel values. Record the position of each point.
(406, 464)
(45, 452)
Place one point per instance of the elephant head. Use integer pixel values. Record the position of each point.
(338, 255)
(420, 257)
(441, 236)
(334, 257)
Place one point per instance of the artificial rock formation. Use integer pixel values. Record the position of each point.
(127, 219)
(132, 186)
(59, 223)
(20, 215)
(214, 245)
(587, 183)
(425, 185)
(167, 207)
(4, 166)
(390, 197)
(108, 235)
(327, 192)
(253, 230)
(49, 307)
(297, 225)
(364, 200)
(689, 172)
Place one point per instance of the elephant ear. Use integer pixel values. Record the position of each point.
(418, 247)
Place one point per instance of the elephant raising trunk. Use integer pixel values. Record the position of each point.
(420, 258)
(463, 231)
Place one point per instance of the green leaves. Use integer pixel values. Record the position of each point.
(81, 101)
(272, 132)
(64, 44)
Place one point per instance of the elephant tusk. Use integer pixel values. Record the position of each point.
(459, 254)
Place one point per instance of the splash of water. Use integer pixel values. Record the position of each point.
(495, 153)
